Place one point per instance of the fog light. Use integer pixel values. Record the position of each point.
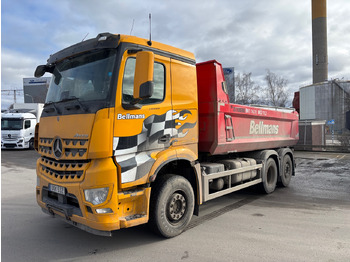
(96, 196)
(104, 211)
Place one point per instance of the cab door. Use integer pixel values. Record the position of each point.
(185, 104)
(145, 129)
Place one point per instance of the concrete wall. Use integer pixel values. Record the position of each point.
(307, 103)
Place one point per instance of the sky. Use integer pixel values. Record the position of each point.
(251, 35)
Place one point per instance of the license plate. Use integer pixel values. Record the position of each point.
(57, 189)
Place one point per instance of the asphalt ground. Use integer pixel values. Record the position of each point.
(308, 221)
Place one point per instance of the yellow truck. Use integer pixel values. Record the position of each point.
(136, 132)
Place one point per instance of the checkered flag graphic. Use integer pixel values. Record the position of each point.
(133, 153)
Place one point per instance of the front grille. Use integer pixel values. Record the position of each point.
(72, 148)
(10, 145)
(10, 138)
(46, 140)
(63, 170)
(74, 142)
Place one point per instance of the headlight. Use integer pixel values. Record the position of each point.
(96, 196)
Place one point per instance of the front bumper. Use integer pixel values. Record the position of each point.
(130, 208)
(19, 144)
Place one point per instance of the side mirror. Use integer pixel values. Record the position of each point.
(143, 79)
(40, 71)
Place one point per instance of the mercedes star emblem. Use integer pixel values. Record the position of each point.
(57, 147)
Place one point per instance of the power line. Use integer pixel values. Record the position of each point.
(15, 91)
(12, 90)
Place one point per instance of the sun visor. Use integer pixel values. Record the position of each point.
(102, 41)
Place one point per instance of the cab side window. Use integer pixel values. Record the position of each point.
(26, 124)
(158, 78)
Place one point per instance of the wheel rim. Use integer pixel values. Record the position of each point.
(287, 170)
(176, 207)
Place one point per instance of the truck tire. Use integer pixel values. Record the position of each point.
(172, 204)
(31, 144)
(269, 176)
(286, 171)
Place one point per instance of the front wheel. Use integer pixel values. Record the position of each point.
(172, 204)
(31, 144)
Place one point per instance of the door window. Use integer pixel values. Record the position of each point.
(158, 78)
(26, 124)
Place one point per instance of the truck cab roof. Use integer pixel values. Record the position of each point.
(108, 40)
(18, 115)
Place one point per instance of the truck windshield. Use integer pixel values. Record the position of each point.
(11, 124)
(85, 77)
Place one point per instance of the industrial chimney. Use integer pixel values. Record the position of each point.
(319, 41)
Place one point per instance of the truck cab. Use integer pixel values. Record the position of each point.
(17, 130)
(111, 119)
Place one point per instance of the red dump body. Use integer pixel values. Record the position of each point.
(225, 127)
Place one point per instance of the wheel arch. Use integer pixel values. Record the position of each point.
(182, 167)
(264, 155)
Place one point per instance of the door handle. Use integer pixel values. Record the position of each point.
(164, 139)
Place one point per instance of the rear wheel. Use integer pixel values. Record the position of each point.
(172, 205)
(269, 176)
(287, 171)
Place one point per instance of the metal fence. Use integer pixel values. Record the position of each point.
(318, 136)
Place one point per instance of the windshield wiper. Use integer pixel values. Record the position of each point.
(74, 98)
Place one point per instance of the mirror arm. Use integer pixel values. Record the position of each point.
(135, 101)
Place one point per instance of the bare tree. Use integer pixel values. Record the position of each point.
(276, 90)
(247, 92)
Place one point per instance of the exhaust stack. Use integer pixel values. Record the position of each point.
(319, 41)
